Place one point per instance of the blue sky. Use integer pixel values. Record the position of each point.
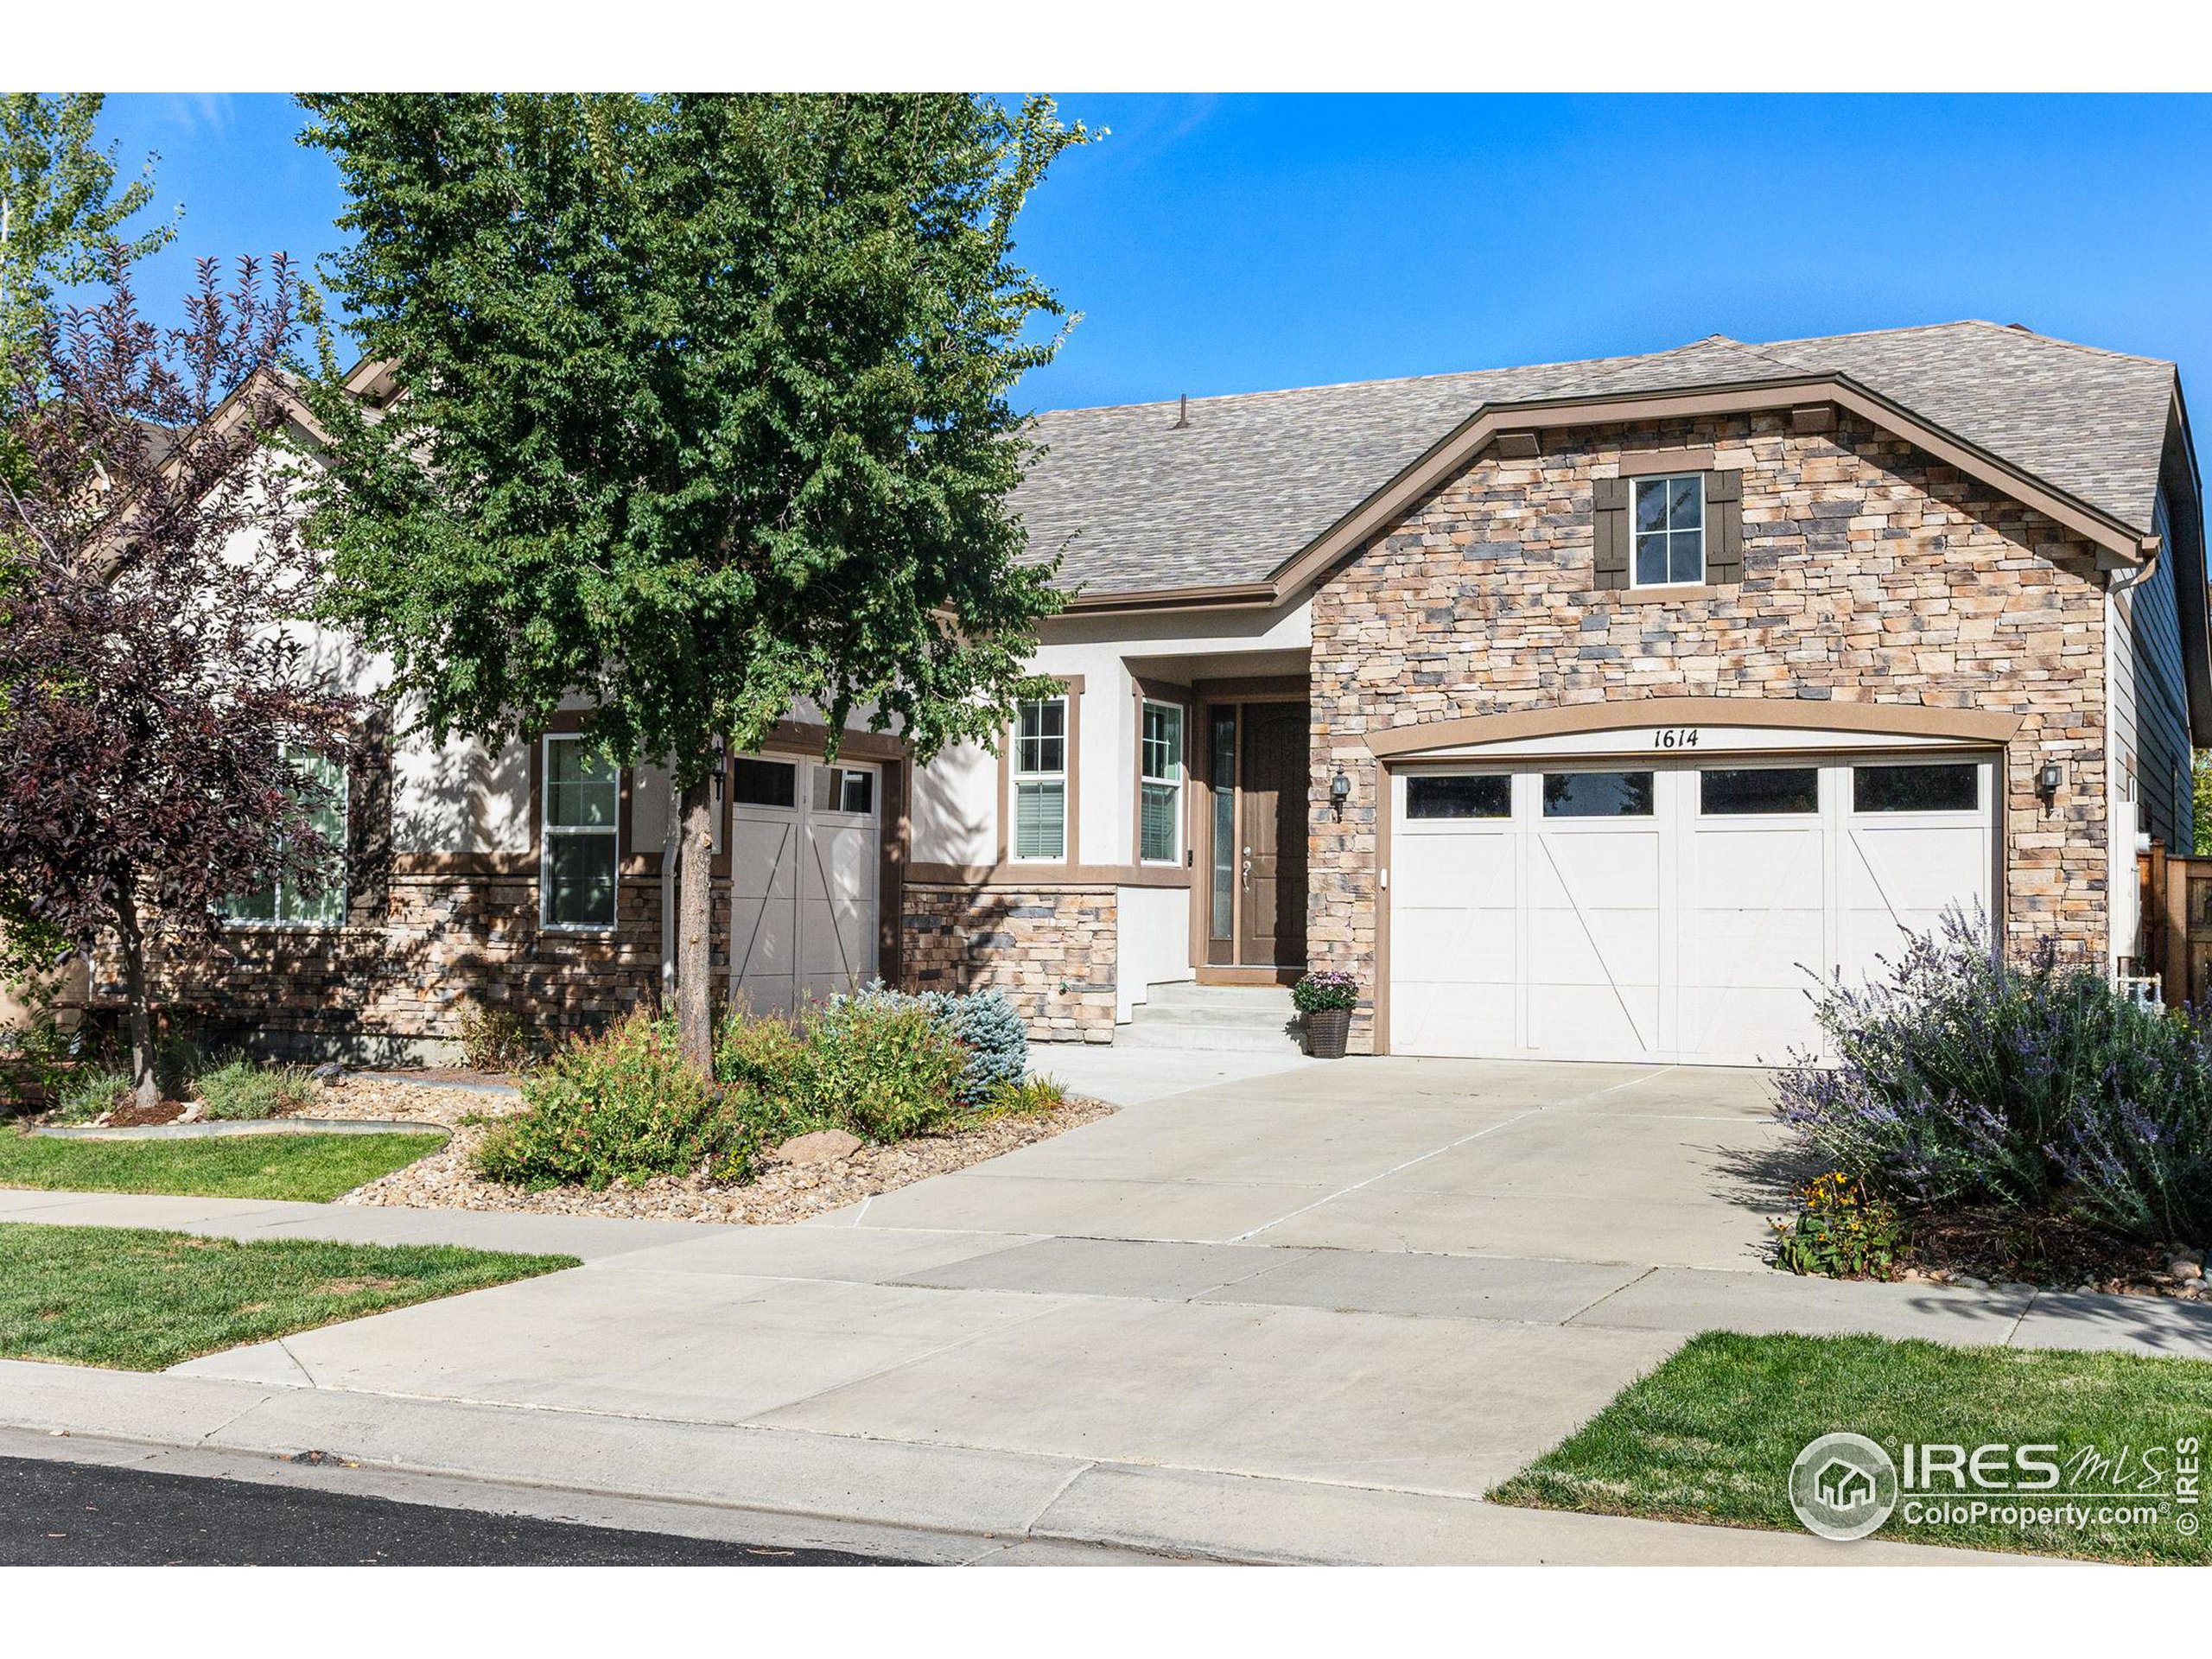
(1240, 243)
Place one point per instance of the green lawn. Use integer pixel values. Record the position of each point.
(315, 1168)
(1711, 1434)
(143, 1300)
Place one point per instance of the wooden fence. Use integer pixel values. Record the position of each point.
(2177, 938)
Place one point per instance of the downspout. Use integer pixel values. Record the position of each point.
(2119, 862)
(672, 855)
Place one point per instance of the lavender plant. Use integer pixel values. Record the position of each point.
(1961, 1076)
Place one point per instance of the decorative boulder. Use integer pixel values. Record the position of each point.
(823, 1147)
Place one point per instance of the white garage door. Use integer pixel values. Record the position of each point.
(1668, 911)
(804, 857)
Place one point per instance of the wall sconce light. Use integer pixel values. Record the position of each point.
(1339, 792)
(2049, 779)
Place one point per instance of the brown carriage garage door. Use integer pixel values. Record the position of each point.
(1667, 909)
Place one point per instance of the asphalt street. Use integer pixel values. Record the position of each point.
(54, 1513)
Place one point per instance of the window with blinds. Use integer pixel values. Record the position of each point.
(1159, 785)
(1041, 779)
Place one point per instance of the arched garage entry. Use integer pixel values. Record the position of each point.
(1661, 881)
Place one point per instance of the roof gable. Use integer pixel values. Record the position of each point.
(1153, 498)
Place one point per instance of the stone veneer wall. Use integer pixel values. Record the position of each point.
(1049, 948)
(1872, 573)
(394, 993)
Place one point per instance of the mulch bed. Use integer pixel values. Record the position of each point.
(132, 1115)
(2033, 1249)
(1981, 1247)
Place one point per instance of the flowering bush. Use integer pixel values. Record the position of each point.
(1965, 1077)
(1317, 991)
(1838, 1232)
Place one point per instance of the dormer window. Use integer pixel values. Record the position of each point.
(1669, 514)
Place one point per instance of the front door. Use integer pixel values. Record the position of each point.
(1272, 928)
(1256, 771)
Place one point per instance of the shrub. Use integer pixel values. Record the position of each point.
(35, 1061)
(880, 1065)
(241, 1088)
(493, 1040)
(1318, 992)
(986, 1025)
(1839, 1232)
(622, 1107)
(768, 1056)
(1031, 1097)
(1963, 1078)
(87, 1091)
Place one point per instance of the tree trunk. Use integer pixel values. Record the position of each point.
(145, 1087)
(694, 913)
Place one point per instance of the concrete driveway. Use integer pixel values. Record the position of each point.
(1307, 1315)
(1619, 1164)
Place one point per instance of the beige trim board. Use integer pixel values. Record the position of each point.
(1041, 875)
(1795, 714)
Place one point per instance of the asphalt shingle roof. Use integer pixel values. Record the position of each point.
(1133, 503)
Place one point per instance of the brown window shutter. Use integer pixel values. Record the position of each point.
(1724, 530)
(1611, 503)
(368, 822)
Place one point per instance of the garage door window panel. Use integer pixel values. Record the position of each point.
(765, 783)
(1952, 786)
(844, 789)
(1466, 795)
(1597, 794)
(1758, 791)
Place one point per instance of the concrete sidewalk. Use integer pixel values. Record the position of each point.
(1309, 1317)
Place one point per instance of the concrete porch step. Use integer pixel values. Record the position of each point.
(1235, 1019)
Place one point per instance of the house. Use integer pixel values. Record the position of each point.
(1580, 710)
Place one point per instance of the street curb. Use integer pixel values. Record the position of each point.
(815, 1480)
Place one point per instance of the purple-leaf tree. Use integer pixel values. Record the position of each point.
(157, 695)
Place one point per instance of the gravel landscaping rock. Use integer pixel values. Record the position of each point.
(783, 1191)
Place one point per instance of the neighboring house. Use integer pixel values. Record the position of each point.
(1577, 709)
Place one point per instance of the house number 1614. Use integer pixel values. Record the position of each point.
(1675, 737)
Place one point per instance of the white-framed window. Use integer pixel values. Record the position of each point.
(281, 903)
(1041, 779)
(1667, 520)
(1159, 785)
(579, 860)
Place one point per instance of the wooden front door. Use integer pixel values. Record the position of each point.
(1272, 778)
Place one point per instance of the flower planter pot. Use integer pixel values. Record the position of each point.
(1326, 1031)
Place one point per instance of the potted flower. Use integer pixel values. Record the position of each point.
(1326, 1000)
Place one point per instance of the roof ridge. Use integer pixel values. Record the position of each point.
(1387, 380)
(1980, 322)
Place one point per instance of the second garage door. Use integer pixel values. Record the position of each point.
(805, 848)
(1670, 911)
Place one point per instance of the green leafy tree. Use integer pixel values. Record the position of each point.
(703, 412)
(60, 208)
